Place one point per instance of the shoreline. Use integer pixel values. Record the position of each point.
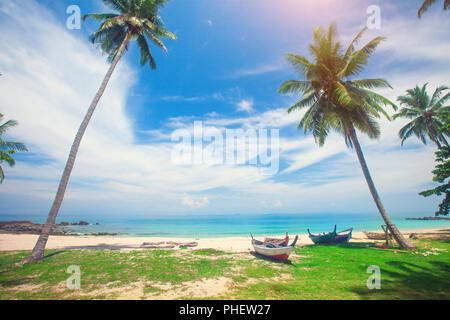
(235, 244)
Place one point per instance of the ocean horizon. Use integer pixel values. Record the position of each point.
(236, 225)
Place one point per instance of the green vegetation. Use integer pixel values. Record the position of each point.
(441, 175)
(336, 103)
(442, 172)
(315, 272)
(7, 148)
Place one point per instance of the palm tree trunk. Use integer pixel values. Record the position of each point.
(399, 238)
(38, 252)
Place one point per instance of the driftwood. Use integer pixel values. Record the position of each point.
(167, 245)
(376, 235)
(189, 244)
(156, 245)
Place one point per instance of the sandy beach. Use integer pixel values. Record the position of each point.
(18, 242)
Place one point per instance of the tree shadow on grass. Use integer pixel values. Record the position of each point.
(104, 246)
(53, 254)
(259, 256)
(405, 280)
(15, 282)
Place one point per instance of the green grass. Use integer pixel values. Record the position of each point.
(315, 272)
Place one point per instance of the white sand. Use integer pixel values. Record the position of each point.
(14, 242)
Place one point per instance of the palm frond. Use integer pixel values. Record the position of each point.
(17, 146)
(437, 94)
(304, 102)
(355, 64)
(300, 63)
(380, 99)
(5, 156)
(99, 16)
(425, 6)
(119, 5)
(371, 46)
(441, 102)
(146, 55)
(371, 83)
(294, 86)
(351, 47)
(7, 125)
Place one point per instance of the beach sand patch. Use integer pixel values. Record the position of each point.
(199, 289)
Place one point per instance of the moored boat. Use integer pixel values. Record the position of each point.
(376, 235)
(277, 249)
(331, 237)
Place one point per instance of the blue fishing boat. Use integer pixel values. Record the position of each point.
(331, 237)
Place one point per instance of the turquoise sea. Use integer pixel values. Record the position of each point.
(233, 225)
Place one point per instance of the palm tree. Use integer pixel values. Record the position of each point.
(7, 149)
(136, 20)
(428, 3)
(426, 113)
(336, 103)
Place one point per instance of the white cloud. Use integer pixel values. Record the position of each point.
(215, 96)
(245, 105)
(257, 71)
(194, 204)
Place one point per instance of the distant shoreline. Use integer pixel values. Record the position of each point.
(60, 229)
(239, 244)
(83, 228)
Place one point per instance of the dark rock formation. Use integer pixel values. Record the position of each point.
(28, 227)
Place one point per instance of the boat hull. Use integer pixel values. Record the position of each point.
(376, 235)
(281, 254)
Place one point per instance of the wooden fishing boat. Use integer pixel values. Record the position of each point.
(331, 237)
(376, 235)
(278, 251)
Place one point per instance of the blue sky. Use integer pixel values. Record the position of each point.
(224, 69)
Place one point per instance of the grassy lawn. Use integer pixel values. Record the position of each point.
(315, 272)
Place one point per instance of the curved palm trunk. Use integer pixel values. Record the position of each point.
(399, 238)
(38, 252)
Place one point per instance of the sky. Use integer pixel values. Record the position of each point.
(224, 70)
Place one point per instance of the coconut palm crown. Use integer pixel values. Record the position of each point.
(426, 114)
(139, 19)
(335, 102)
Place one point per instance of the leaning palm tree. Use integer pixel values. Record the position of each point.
(426, 114)
(7, 149)
(336, 103)
(428, 3)
(136, 20)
